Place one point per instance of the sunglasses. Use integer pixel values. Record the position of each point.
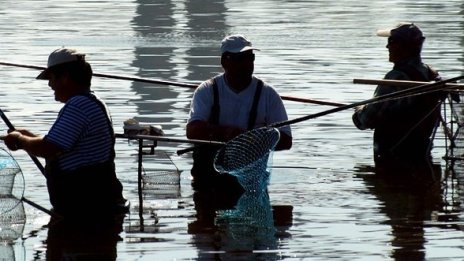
(241, 57)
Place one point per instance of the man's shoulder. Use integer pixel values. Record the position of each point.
(207, 85)
(82, 103)
(396, 74)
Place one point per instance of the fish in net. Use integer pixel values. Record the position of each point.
(247, 156)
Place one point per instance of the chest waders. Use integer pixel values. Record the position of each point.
(407, 136)
(94, 188)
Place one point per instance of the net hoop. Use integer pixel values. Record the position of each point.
(247, 157)
(12, 182)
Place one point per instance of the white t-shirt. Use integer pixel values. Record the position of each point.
(235, 107)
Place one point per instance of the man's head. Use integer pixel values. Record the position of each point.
(236, 44)
(237, 57)
(64, 60)
(404, 41)
(68, 73)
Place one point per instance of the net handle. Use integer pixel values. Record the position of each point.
(12, 128)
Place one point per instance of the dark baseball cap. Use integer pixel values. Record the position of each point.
(406, 32)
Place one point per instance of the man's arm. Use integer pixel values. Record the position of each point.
(285, 142)
(34, 145)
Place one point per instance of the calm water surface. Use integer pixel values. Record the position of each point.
(311, 49)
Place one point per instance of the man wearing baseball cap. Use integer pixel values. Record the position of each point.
(79, 147)
(402, 127)
(230, 104)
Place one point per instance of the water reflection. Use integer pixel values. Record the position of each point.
(92, 240)
(411, 198)
(152, 58)
(188, 24)
(205, 22)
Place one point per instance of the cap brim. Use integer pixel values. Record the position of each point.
(45, 75)
(247, 48)
(244, 49)
(384, 32)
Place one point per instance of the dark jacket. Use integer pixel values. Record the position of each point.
(403, 127)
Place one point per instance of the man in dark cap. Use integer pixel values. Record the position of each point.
(79, 147)
(403, 127)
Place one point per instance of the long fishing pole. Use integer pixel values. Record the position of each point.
(429, 87)
(162, 82)
(416, 89)
(168, 139)
(402, 83)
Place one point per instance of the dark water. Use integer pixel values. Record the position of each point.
(310, 49)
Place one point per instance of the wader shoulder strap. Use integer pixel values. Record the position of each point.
(108, 120)
(214, 115)
(254, 108)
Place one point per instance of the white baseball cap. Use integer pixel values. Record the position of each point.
(58, 57)
(236, 44)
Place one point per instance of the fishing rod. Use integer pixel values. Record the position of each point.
(421, 89)
(12, 128)
(417, 89)
(167, 139)
(172, 83)
(37, 163)
(402, 83)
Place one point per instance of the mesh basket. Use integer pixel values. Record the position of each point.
(162, 183)
(247, 157)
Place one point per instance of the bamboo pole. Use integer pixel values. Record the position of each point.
(424, 88)
(168, 139)
(402, 83)
(171, 83)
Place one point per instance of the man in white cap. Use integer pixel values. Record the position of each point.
(402, 127)
(79, 147)
(230, 104)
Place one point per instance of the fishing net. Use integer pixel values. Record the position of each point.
(11, 182)
(249, 226)
(12, 214)
(247, 157)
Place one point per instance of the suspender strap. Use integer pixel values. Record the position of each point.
(214, 115)
(254, 108)
(108, 120)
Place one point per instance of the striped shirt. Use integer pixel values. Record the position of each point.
(83, 132)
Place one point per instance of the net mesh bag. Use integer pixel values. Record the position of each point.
(247, 157)
(11, 182)
(12, 214)
(250, 225)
